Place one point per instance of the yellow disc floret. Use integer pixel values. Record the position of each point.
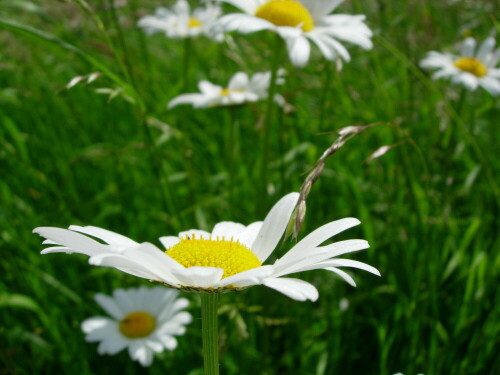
(137, 324)
(472, 66)
(286, 13)
(231, 256)
(194, 22)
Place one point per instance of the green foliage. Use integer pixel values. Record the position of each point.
(110, 154)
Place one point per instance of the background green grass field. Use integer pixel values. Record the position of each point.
(429, 207)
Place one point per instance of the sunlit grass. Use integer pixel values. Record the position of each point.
(77, 157)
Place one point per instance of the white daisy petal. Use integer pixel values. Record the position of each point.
(485, 49)
(248, 236)
(490, 84)
(96, 323)
(169, 241)
(196, 233)
(468, 47)
(107, 236)
(168, 341)
(317, 237)
(296, 289)
(351, 263)
(274, 226)
(344, 275)
(302, 261)
(123, 264)
(198, 277)
(321, 8)
(227, 230)
(77, 243)
(109, 305)
(299, 51)
(252, 276)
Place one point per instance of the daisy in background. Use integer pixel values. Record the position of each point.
(143, 319)
(231, 257)
(179, 22)
(240, 89)
(300, 22)
(474, 67)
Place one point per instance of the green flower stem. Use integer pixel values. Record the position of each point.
(186, 62)
(210, 333)
(232, 155)
(455, 123)
(268, 117)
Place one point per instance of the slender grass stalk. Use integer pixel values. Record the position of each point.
(125, 66)
(210, 333)
(278, 46)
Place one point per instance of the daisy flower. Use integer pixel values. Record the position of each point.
(143, 319)
(299, 22)
(474, 67)
(179, 22)
(241, 89)
(231, 257)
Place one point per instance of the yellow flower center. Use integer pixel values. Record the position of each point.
(137, 324)
(227, 92)
(232, 257)
(472, 66)
(194, 22)
(286, 13)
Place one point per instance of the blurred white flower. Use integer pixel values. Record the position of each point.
(180, 22)
(143, 319)
(241, 89)
(298, 22)
(473, 68)
(231, 257)
(343, 304)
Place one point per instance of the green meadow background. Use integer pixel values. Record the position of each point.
(118, 159)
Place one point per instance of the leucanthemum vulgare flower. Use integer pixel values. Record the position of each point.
(143, 319)
(240, 89)
(298, 22)
(180, 22)
(231, 257)
(471, 68)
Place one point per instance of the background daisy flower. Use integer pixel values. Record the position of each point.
(143, 319)
(179, 22)
(231, 257)
(300, 22)
(471, 69)
(240, 89)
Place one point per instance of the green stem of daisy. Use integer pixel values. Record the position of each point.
(268, 116)
(210, 333)
(231, 153)
(186, 60)
(456, 123)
